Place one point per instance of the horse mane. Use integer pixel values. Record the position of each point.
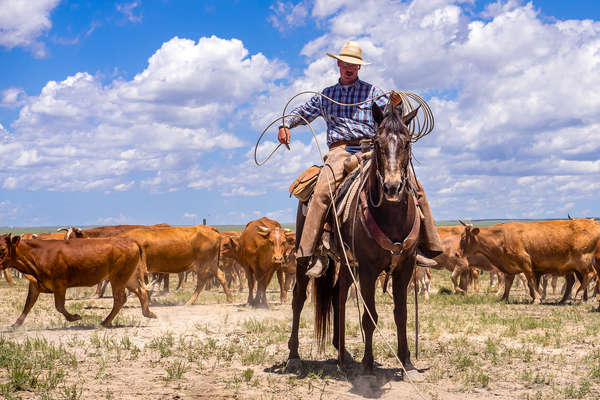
(392, 120)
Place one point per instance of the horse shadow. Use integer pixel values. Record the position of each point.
(368, 386)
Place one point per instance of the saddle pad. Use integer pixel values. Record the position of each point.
(348, 191)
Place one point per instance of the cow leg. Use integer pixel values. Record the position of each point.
(165, 279)
(501, 283)
(59, 303)
(455, 274)
(98, 293)
(544, 283)
(475, 274)
(7, 277)
(221, 278)
(181, 282)
(119, 299)
(400, 280)
(298, 299)
(553, 283)
(492, 278)
(32, 296)
(135, 285)
(250, 276)
(531, 282)
(583, 283)
(282, 291)
(508, 282)
(568, 286)
(200, 281)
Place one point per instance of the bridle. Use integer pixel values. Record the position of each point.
(379, 179)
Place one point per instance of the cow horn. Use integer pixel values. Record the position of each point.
(64, 228)
(287, 230)
(461, 221)
(34, 235)
(263, 228)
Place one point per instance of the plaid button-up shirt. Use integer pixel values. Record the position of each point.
(343, 122)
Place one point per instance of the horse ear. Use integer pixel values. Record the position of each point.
(377, 113)
(409, 117)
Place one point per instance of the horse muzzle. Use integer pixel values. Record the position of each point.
(393, 189)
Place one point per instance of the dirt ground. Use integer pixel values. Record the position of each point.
(471, 347)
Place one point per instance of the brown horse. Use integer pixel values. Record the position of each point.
(383, 236)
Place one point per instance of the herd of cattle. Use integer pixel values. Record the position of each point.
(125, 255)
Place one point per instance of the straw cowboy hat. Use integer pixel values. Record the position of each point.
(351, 54)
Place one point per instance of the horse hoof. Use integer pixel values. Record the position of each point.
(415, 376)
(293, 365)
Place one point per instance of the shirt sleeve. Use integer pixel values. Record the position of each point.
(380, 100)
(309, 110)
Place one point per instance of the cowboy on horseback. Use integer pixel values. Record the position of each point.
(346, 127)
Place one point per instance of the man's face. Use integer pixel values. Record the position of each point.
(348, 72)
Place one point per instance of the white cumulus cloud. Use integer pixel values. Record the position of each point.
(23, 21)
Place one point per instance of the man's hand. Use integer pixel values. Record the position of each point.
(284, 136)
(395, 98)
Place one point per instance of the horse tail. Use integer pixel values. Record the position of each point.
(323, 287)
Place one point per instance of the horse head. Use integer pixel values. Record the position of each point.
(392, 151)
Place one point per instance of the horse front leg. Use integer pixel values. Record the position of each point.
(367, 290)
(400, 281)
(298, 299)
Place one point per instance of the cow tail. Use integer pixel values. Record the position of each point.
(323, 287)
(144, 267)
(219, 252)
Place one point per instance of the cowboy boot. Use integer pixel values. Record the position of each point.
(423, 261)
(318, 268)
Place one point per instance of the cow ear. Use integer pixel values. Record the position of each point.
(15, 240)
(264, 233)
(377, 113)
(475, 231)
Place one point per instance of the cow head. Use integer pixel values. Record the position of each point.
(71, 232)
(277, 237)
(229, 247)
(8, 248)
(469, 238)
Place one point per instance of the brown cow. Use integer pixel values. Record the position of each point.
(287, 274)
(104, 232)
(459, 265)
(52, 266)
(596, 266)
(230, 243)
(182, 248)
(536, 248)
(262, 252)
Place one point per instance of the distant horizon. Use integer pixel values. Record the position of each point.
(448, 222)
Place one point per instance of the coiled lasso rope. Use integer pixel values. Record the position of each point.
(418, 129)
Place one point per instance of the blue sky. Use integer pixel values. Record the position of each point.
(145, 112)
